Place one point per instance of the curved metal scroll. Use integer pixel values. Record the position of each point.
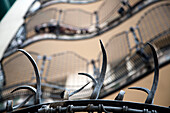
(38, 80)
(10, 107)
(99, 81)
(36, 92)
(151, 93)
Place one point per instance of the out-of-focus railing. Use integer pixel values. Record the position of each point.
(39, 19)
(130, 58)
(58, 72)
(73, 24)
(154, 22)
(80, 22)
(70, 18)
(63, 65)
(108, 10)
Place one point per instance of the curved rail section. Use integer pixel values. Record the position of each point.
(77, 22)
(73, 24)
(39, 4)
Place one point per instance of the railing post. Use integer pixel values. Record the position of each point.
(135, 37)
(127, 37)
(58, 24)
(139, 49)
(126, 3)
(49, 59)
(43, 64)
(97, 22)
(121, 11)
(140, 36)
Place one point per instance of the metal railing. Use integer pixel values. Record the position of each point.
(125, 58)
(80, 22)
(66, 65)
(38, 23)
(58, 72)
(58, 23)
(18, 67)
(70, 18)
(154, 22)
(89, 105)
(136, 54)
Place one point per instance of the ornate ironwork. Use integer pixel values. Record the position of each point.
(98, 83)
(38, 79)
(93, 104)
(151, 93)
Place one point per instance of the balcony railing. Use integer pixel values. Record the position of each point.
(128, 55)
(77, 21)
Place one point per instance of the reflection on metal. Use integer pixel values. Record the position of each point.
(151, 93)
(120, 95)
(9, 105)
(99, 82)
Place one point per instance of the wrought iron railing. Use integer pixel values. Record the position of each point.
(58, 71)
(125, 56)
(58, 25)
(90, 105)
(134, 57)
(80, 22)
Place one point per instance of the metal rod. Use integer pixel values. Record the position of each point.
(78, 90)
(38, 80)
(151, 93)
(94, 80)
(100, 80)
(97, 21)
(141, 88)
(150, 97)
(43, 64)
(71, 108)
